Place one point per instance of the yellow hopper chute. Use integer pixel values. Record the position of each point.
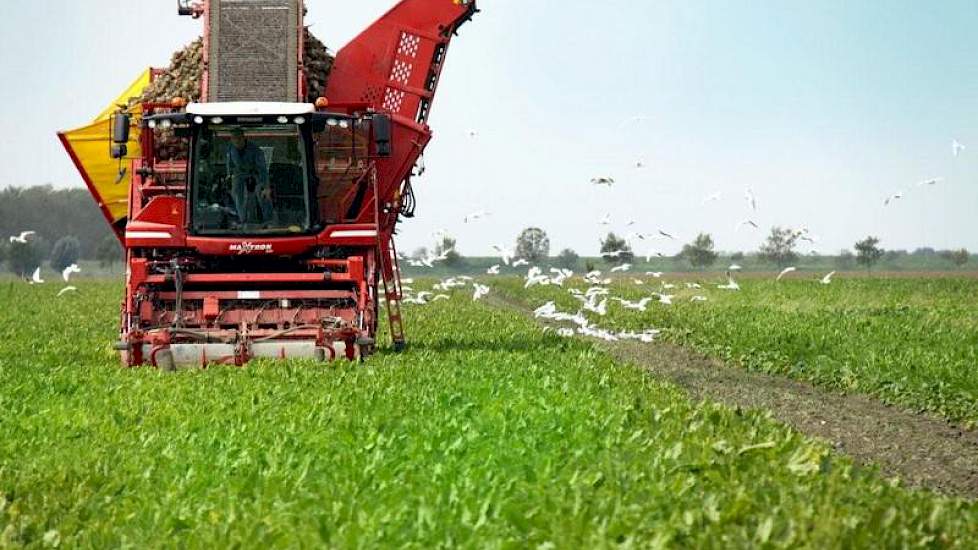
(89, 147)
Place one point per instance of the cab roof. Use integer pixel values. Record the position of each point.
(255, 108)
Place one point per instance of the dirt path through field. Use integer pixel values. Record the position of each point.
(921, 450)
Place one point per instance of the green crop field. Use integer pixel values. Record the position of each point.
(487, 432)
(912, 342)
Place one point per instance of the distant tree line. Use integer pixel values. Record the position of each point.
(53, 214)
(67, 227)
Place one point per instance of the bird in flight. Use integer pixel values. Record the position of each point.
(786, 271)
(505, 254)
(603, 180)
(66, 272)
(66, 290)
(650, 253)
(751, 199)
(494, 270)
(751, 223)
(895, 196)
(36, 277)
(606, 220)
(932, 181)
(667, 235)
(22, 238)
(621, 268)
(713, 198)
(472, 133)
(475, 216)
(827, 280)
(734, 267)
(957, 147)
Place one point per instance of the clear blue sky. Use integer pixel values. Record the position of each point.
(822, 107)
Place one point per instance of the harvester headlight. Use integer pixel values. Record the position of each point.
(344, 124)
(283, 120)
(198, 119)
(166, 124)
(217, 120)
(332, 122)
(300, 120)
(151, 124)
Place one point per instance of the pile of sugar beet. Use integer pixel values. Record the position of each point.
(184, 75)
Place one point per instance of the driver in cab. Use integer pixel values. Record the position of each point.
(250, 188)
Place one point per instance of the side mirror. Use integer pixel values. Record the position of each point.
(382, 135)
(120, 128)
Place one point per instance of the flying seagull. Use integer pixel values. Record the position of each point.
(932, 181)
(604, 180)
(66, 289)
(505, 254)
(713, 198)
(751, 199)
(957, 147)
(22, 238)
(494, 270)
(786, 271)
(475, 216)
(66, 273)
(751, 223)
(893, 197)
(827, 280)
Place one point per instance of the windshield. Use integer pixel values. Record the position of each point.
(250, 180)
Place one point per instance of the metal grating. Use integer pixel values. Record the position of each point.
(253, 53)
(401, 72)
(393, 100)
(409, 45)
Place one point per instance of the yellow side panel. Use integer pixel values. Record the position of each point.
(89, 146)
(134, 90)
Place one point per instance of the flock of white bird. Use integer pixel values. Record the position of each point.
(35, 278)
(595, 300)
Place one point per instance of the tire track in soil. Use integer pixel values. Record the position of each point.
(922, 450)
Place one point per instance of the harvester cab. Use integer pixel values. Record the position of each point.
(253, 168)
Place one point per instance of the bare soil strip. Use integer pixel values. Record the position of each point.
(921, 450)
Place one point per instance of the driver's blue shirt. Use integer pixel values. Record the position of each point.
(246, 162)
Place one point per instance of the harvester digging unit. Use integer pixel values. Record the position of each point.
(270, 232)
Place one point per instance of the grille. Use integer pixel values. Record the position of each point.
(253, 54)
